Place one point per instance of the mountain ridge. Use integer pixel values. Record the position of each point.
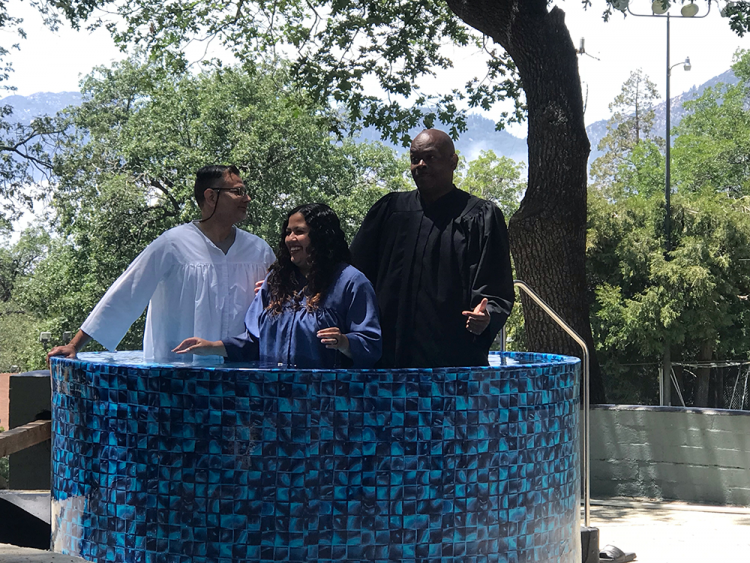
(480, 134)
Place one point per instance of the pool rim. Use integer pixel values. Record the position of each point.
(551, 360)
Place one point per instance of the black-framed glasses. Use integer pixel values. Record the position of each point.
(242, 192)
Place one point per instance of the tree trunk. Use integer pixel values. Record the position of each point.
(703, 374)
(719, 401)
(548, 232)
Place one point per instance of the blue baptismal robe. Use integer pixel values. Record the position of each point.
(290, 338)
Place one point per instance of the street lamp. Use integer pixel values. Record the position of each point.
(660, 9)
(667, 157)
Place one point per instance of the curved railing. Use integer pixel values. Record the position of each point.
(586, 478)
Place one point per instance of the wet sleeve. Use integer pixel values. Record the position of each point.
(493, 276)
(245, 347)
(363, 324)
(126, 299)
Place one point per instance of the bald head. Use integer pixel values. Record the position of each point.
(438, 139)
(433, 160)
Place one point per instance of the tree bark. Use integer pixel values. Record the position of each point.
(703, 374)
(548, 232)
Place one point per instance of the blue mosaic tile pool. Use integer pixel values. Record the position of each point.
(220, 464)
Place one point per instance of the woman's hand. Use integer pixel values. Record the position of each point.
(334, 340)
(201, 347)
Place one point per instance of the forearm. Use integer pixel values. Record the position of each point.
(345, 347)
(215, 348)
(79, 341)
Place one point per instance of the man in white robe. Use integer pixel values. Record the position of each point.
(197, 279)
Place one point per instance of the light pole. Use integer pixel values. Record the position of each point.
(660, 9)
(668, 157)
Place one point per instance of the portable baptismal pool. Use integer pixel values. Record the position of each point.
(229, 463)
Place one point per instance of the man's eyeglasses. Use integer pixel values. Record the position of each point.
(242, 192)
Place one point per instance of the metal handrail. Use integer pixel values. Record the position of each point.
(586, 393)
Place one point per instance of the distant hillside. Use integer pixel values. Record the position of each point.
(598, 129)
(481, 134)
(26, 108)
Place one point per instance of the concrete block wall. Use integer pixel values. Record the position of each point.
(30, 399)
(692, 455)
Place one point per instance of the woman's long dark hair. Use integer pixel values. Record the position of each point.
(327, 250)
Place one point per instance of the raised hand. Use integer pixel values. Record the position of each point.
(478, 319)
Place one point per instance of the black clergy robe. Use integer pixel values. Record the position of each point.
(428, 264)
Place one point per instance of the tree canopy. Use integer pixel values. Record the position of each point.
(631, 151)
(496, 179)
(696, 296)
(337, 47)
(125, 172)
(24, 147)
(341, 49)
(712, 150)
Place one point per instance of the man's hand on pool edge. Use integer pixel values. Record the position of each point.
(66, 351)
(71, 349)
(201, 347)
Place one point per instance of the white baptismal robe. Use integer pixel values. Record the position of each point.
(191, 288)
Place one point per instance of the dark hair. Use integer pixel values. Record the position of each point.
(208, 176)
(328, 249)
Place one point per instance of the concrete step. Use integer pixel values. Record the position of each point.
(25, 518)
(13, 554)
(36, 503)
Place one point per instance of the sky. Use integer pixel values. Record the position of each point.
(54, 62)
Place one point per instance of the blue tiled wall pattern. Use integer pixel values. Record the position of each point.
(176, 464)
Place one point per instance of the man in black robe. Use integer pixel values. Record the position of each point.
(439, 260)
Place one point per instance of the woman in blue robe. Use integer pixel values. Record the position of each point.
(314, 310)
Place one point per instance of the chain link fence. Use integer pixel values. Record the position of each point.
(720, 385)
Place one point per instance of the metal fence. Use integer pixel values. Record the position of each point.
(717, 384)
